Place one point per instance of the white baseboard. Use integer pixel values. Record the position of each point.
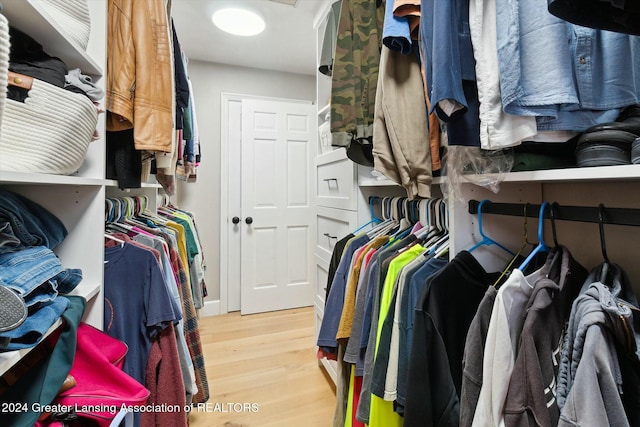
(211, 308)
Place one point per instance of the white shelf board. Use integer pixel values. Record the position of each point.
(29, 16)
(8, 359)
(114, 183)
(323, 110)
(599, 173)
(8, 177)
(331, 156)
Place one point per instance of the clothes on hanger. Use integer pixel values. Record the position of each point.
(167, 143)
(546, 313)
(361, 301)
(421, 340)
(168, 244)
(571, 336)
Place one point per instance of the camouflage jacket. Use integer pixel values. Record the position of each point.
(355, 70)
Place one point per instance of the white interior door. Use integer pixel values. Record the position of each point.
(278, 139)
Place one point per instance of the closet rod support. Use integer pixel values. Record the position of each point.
(618, 216)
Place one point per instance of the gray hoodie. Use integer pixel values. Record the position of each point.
(590, 380)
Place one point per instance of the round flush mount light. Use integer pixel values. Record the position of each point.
(240, 22)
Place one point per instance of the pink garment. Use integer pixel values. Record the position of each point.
(417, 227)
(367, 258)
(127, 239)
(141, 231)
(101, 384)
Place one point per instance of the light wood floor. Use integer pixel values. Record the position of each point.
(267, 360)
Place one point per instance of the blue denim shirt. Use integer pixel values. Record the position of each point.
(448, 53)
(571, 76)
(450, 68)
(396, 34)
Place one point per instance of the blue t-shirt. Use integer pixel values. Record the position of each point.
(137, 305)
(335, 301)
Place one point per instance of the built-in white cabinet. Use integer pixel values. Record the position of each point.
(342, 190)
(77, 200)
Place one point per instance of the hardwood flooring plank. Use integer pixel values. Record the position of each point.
(267, 363)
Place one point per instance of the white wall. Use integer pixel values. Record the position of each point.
(202, 198)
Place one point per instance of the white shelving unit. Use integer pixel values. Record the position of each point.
(342, 192)
(77, 200)
(32, 18)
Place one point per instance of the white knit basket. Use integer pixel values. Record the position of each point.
(73, 18)
(4, 61)
(49, 133)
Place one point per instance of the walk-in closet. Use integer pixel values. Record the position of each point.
(319, 212)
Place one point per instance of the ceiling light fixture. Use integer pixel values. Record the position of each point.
(240, 22)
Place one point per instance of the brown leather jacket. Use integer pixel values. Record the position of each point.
(139, 72)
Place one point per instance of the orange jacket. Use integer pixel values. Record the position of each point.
(139, 83)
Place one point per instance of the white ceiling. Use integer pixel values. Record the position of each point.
(287, 44)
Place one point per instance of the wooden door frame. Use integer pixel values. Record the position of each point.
(225, 98)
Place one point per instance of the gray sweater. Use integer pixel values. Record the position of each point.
(590, 377)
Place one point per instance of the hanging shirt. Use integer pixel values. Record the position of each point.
(336, 256)
(348, 309)
(442, 317)
(616, 302)
(410, 296)
(472, 359)
(532, 389)
(329, 39)
(380, 263)
(386, 346)
(598, 350)
(352, 353)
(396, 34)
(571, 77)
(497, 128)
(381, 412)
(137, 303)
(355, 71)
(335, 301)
(449, 68)
(503, 337)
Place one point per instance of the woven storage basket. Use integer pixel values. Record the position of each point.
(73, 18)
(49, 133)
(4, 61)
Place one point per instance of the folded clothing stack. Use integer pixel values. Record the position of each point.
(32, 275)
(613, 143)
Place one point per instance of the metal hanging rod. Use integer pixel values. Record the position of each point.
(618, 216)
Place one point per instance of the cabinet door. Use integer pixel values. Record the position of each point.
(332, 225)
(336, 184)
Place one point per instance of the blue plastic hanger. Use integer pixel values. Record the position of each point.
(374, 219)
(542, 246)
(486, 240)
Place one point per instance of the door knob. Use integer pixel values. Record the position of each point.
(248, 220)
(235, 220)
